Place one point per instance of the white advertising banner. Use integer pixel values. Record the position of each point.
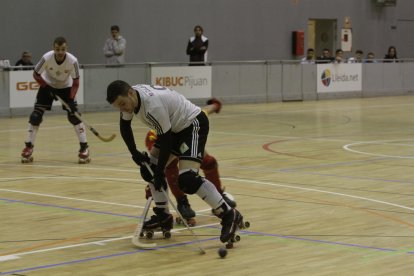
(339, 77)
(23, 89)
(190, 81)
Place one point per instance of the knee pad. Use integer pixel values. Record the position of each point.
(189, 182)
(209, 163)
(36, 117)
(73, 119)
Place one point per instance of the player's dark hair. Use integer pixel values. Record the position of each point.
(115, 89)
(115, 28)
(60, 40)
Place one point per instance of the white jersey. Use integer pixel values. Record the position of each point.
(163, 109)
(58, 75)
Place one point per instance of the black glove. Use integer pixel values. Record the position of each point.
(146, 174)
(159, 181)
(140, 158)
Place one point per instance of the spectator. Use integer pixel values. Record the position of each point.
(325, 57)
(25, 61)
(357, 58)
(391, 56)
(370, 58)
(310, 57)
(114, 48)
(197, 47)
(339, 56)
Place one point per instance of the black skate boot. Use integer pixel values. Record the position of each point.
(159, 221)
(185, 210)
(27, 152)
(84, 154)
(231, 222)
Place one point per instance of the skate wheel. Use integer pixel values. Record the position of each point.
(141, 235)
(237, 238)
(27, 160)
(229, 245)
(149, 235)
(84, 161)
(247, 224)
(191, 222)
(167, 235)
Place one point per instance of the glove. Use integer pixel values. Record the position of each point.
(159, 181)
(145, 173)
(216, 102)
(140, 158)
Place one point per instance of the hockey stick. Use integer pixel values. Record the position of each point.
(202, 251)
(140, 227)
(77, 115)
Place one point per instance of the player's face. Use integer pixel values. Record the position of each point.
(126, 103)
(60, 51)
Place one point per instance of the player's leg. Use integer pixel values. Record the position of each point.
(43, 102)
(190, 182)
(183, 205)
(79, 127)
(162, 218)
(209, 166)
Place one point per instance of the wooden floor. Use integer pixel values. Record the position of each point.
(327, 186)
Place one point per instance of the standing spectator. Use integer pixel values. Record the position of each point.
(197, 47)
(325, 57)
(115, 46)
(370, 58)
(391, 56)
(310, 57)
(357, 58)
(57, 73)
(25, 61)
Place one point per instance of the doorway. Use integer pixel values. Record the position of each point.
(322, 34)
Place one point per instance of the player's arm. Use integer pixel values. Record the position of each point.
(75, 84)
(128, 137)
(165, 143)
(39, 68)
(213, 106)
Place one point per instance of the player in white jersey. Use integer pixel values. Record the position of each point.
(57, 73)
(182, 130)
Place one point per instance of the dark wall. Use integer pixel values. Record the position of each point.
(158, 30)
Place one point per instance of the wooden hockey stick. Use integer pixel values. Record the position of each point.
(202, 251)
(77, 115)
(140, 227)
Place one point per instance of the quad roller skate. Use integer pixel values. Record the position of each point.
(159, 222)
(231, 223)
(186, 212)
(84, 154)
(26, 156)
(229, 199)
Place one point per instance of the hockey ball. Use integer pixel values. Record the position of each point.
(222, 252)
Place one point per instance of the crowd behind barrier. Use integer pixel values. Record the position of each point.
(233, 81)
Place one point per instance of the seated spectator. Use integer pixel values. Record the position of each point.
(25, 62)
(339, 56)
(310, 57)
(325, 57)
(370, 58)
(391, 56)
(357, 58)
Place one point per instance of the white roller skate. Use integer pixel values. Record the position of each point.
(26, 156)
(84, 154)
